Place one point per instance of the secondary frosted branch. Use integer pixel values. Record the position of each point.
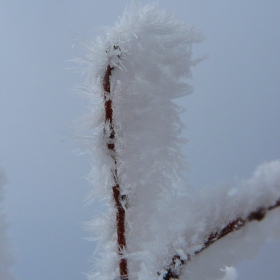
(174, 270)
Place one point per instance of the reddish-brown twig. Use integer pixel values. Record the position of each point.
(118, 198)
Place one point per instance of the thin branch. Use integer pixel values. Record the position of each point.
(173, 272)
(118, 198)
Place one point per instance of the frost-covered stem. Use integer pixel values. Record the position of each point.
(118, 198)
(173, 272)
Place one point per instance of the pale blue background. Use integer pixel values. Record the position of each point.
(233, 118)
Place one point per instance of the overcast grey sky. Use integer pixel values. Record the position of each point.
(232, 118)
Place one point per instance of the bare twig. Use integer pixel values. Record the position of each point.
(118, 198)
(174, 269)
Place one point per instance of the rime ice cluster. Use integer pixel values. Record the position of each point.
(151, 56)
(214, 208)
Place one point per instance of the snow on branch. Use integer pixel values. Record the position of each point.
(230, 210)
(174, 270)
(135, 73)
(153, 227)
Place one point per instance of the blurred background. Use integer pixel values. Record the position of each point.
(233, 119)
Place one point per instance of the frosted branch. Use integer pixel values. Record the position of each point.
(174, 270)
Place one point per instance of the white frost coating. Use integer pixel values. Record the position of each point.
(214, 208)
(6, 259)
(151, 55)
